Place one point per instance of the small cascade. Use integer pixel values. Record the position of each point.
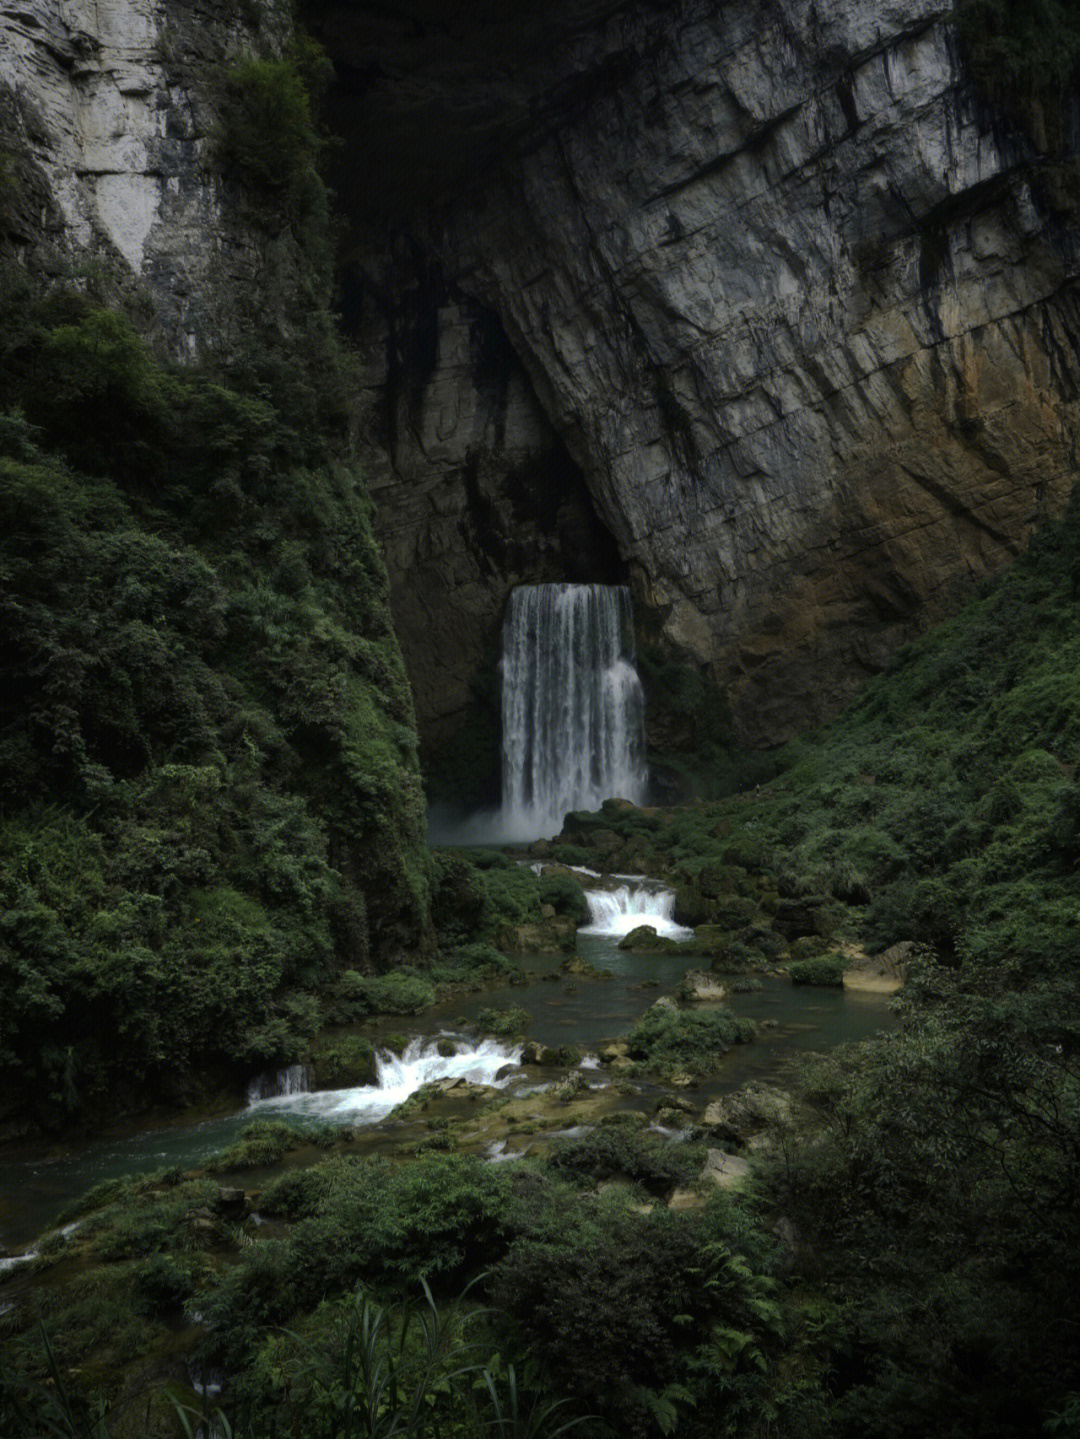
(296, 1079)
(573, 712)
(616, 912)
(401, 1075)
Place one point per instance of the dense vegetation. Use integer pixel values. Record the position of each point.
(210, 795)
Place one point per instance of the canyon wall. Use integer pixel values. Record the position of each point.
(108, 113)
(797, 308)
(755, 304)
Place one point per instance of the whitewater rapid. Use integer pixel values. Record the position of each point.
(398, 1076)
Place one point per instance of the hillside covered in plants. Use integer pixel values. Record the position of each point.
(763, 315)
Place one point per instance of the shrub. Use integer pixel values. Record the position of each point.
(667, 1040)
(618, 1152)
(343, 1062)
(565, 895)
(825, 970)
(266, 1141)
(399, 992)
(504, 1023)
(267, 138)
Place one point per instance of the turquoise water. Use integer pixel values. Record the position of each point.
(37, 1185)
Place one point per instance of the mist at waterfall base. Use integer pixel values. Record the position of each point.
(573, 714)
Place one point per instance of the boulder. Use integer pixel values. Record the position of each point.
(700, 987)
(724, 1169)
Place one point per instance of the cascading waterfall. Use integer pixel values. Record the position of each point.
(618, 911)
(296, 1079)
(573, 713)
(398, 1076)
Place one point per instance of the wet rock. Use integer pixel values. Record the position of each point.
(682, 1199)
(675, 1101)
(882, 973)
(611, 1052)
(699, 987)
(446, 1048)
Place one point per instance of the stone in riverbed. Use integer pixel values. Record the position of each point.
(700, 987)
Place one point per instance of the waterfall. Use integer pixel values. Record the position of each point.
(285, 1082)
(573, 714)
(397, 1077)
(618, 911)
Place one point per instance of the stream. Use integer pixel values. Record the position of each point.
(38, 1184)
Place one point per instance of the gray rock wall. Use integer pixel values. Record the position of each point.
(109, 110)
(786, 293)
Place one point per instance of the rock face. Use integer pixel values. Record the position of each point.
(109, 111)
(783, 292)
(752, 303)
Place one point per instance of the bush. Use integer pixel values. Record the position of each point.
(825, 970)
(266, 1141)
(267, 138)
(400, 992)
(344, 1062)
(565, 895)
(615, 1151)
(667, 1040)
(504, 1023)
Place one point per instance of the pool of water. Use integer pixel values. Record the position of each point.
(37, 1185)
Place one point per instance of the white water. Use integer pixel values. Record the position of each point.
(618, 911)
(400, 1076)
(573, 713)
(285, 1082)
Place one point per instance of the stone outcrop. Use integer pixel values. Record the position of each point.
(786, 293)
(109, 114)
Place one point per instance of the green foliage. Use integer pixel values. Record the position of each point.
(268, 139)
(937, 1193)
(615, 1151)
(403, 992)
(344, 1062)
(668, 1041)
(264, 1142)
(565, 895)
(825, 970)
(207, 754)
(510, 1023)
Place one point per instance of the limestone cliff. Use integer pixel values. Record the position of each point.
(108, 112)
(755, 304)
(787, 296)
